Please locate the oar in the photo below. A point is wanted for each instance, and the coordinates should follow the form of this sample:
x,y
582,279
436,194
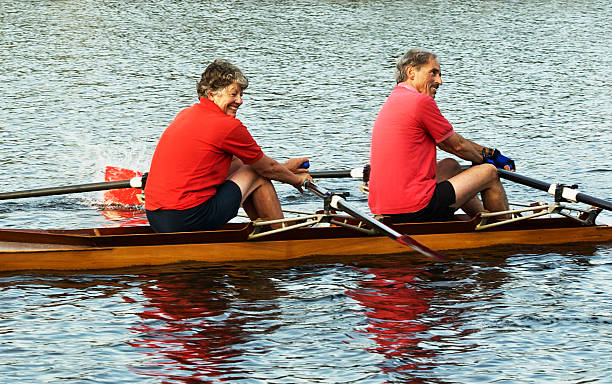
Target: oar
x,y
127,197
559,191
338,202
355,173
556,190
135,182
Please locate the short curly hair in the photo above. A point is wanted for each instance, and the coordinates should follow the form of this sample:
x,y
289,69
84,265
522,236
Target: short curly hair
x,y
218,75
412,58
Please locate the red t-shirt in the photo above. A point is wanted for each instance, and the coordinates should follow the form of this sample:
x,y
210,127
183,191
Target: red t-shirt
x,y
194,155
403,153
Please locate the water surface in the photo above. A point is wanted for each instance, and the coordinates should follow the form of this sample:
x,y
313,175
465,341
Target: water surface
x,y
86,84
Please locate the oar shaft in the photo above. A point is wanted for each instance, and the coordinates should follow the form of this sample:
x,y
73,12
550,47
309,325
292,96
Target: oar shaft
x,y
355,173
594,201
321,192
567,193
330,174
525,180
348,208
91,187
340,203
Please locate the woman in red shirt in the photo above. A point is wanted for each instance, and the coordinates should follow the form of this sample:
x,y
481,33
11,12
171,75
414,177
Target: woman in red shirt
x,y
207,164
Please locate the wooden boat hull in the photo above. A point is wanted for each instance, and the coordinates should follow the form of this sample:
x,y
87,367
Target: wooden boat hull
x,y
112,248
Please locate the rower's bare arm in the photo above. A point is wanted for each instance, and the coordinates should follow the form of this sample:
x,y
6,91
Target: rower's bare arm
x,y
462,148
477,147
271,169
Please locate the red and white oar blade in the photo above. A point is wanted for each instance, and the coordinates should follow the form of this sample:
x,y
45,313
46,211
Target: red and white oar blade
x,y
126,196
421,248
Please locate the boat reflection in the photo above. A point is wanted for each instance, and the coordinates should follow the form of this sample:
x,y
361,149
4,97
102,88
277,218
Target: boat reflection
x,y
395,303
419,316
192,326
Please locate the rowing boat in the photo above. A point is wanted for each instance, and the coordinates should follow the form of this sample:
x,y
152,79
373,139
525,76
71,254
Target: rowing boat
x,y
326,233
122,247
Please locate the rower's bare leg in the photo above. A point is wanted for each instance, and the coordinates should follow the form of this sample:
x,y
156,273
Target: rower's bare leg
x,y
249,208
259,198
480,178
236,164
263,202
247,202
448,168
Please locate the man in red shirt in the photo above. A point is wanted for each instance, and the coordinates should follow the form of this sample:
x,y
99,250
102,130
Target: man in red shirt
x,y
406,182
207,164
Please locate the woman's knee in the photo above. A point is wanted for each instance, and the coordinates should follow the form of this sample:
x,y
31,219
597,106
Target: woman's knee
x,y
246,179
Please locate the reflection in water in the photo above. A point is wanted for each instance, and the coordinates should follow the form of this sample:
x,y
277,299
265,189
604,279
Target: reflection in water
x,y
195,323
492,316
422,317
395,301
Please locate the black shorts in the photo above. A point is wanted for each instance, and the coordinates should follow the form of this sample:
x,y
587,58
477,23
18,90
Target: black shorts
x,y
438,209
208,216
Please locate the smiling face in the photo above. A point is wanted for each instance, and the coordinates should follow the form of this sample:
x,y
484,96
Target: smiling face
x,y
229,99
427,78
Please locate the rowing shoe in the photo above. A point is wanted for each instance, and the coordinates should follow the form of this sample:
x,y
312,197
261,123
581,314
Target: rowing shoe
x,y
338,202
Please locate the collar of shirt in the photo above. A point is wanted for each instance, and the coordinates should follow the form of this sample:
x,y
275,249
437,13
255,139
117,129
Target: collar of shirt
x,y
407,86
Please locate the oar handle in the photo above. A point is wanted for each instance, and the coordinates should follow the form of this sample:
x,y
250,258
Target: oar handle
x,y
321,192
354,173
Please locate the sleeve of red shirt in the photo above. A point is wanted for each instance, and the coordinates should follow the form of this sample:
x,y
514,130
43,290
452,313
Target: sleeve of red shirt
x,y
436,125
241,144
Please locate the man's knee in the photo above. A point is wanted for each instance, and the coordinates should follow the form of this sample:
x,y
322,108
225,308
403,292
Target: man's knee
x,y
447,168
490,172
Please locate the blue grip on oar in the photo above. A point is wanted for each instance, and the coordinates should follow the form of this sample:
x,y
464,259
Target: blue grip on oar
x,y
305,165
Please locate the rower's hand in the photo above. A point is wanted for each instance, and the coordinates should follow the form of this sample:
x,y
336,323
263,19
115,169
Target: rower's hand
x,y
296,165
303,177
497,159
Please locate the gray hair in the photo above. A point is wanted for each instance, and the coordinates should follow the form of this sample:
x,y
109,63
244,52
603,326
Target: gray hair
x,y
412,58
218,75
